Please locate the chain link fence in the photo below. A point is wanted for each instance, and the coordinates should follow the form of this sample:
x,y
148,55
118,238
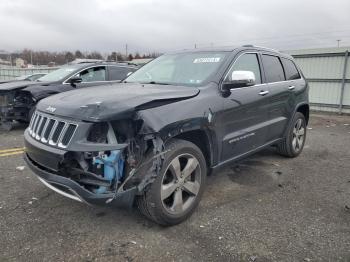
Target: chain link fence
x,y
10,73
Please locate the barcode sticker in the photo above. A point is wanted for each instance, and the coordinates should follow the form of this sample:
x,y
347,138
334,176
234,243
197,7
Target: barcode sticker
x,y
206,60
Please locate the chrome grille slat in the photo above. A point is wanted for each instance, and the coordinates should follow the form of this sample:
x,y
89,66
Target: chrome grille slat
x,y
52,130
64,129
37,131
31,123
56,135
68,135
48,131
34,123
47,120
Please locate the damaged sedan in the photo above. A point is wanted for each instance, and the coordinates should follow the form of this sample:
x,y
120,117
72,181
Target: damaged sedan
x,y
152,140
18,99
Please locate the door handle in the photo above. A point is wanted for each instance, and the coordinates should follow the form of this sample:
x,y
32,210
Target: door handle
x,y
262,93
291,88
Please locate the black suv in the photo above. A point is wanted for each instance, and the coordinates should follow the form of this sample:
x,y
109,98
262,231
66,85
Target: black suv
x,y
18,99
153,139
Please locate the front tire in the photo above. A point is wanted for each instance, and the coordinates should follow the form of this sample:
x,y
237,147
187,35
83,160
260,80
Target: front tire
x,y
177,190
293,143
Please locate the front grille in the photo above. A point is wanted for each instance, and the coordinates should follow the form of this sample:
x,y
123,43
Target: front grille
x,y
51,130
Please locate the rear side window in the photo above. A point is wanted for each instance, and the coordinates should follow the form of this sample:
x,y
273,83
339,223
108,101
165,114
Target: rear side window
x,y
290,69
119,73
247,62
273,69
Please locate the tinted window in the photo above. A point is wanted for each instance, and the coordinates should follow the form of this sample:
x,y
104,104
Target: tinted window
x,y
273,68
93,74
247,62
290,69
119,73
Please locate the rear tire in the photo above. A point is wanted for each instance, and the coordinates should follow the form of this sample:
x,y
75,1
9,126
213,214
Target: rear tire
x,y
293,143
177,190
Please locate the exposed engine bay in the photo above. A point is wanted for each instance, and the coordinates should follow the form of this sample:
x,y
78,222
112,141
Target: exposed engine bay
x,y
109,171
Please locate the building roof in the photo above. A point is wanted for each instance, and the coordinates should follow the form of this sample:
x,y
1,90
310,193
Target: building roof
x,y
312,51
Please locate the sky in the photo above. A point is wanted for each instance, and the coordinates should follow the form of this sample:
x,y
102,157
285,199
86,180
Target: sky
x,y
165,25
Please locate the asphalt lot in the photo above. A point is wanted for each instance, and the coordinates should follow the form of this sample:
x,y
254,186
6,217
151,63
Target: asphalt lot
x,y
267,208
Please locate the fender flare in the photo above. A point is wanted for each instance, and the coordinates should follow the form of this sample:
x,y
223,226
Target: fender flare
x,y
292,116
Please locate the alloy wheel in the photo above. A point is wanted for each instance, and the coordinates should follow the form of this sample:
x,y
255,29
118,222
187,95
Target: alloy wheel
x,y
181,183
298,135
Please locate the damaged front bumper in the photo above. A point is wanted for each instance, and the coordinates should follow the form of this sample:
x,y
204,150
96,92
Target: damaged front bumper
x,y
11,110
45,160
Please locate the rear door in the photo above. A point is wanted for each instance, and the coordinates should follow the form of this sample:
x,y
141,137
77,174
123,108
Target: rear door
x,y
278,112
245,111
119,73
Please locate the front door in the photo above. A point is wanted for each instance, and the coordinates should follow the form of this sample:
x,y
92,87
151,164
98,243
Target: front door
x,y
93,76
245,114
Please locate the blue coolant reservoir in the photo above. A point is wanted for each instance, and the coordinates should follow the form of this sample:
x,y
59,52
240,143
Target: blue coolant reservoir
x,y
113,168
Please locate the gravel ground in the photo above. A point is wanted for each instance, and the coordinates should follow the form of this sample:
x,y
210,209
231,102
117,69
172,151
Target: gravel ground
x,y
266,208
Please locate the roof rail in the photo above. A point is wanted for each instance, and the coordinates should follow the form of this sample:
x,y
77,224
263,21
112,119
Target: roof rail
x,y
96,61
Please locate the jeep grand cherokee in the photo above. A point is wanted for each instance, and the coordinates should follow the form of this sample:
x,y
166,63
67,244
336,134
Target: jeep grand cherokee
x,y
152,139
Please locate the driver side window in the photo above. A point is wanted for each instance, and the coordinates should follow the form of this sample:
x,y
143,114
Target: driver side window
x,y
93,74
246,62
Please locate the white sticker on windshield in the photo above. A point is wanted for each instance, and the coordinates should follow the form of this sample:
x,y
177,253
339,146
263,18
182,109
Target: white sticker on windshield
x,y
206,60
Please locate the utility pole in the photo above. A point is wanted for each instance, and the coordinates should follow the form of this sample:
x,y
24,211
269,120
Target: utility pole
x,y
338,42
31,57
195,46
126,51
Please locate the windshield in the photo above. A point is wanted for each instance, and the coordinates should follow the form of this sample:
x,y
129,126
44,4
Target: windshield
x,y
182,69
57,75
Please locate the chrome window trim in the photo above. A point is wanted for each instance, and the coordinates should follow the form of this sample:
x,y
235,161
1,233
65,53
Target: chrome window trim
x,y
262,84
280,57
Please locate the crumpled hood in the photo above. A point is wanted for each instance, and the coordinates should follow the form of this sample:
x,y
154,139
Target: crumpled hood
x,y
112,102
16,85
45,89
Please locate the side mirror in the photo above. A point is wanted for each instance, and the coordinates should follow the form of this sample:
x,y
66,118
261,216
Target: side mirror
x,y
239,79
75,80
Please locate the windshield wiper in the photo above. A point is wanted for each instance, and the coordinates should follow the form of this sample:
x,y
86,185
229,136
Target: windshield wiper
x,y
148,83
156,83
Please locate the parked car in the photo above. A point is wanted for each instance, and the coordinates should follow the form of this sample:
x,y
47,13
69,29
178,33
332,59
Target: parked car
x,y
32,77
153,139
18,99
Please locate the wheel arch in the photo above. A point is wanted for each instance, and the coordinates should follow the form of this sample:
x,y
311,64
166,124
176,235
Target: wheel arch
x,y
305,110
202,140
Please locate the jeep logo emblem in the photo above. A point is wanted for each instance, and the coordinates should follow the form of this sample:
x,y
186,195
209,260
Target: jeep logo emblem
x,y
51,109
